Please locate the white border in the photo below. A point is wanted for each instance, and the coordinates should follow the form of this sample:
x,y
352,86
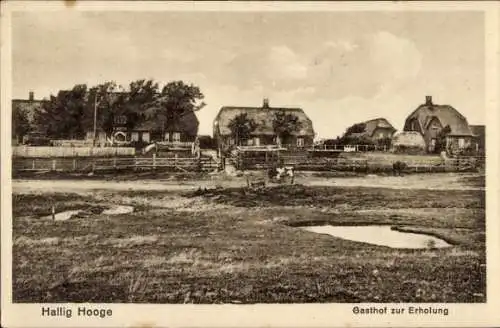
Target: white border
x,y
293,315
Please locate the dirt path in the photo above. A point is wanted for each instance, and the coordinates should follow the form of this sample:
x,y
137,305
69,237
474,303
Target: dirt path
x,y
420,181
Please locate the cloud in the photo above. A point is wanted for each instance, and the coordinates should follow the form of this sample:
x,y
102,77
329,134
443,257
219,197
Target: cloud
x,y
343,45
400,57
284,64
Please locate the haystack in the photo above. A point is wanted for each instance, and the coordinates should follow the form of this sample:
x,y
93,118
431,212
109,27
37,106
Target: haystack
x,y
408,141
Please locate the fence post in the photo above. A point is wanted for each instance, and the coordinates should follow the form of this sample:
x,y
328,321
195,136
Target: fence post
x,y
54,164
33,166
114,163
74,164
199,164
135,163
154,161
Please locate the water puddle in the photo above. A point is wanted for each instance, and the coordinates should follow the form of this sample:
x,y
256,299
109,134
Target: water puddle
x,y
63,216
120,209
380,235
66,215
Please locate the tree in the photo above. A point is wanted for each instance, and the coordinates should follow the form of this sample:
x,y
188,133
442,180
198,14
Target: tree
x,y
72,113
141,97
20,123
284,125
175,99
241,127
441,139
352,135
61,116
356,128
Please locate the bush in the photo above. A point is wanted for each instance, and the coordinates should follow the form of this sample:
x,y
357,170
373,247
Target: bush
x,y
207,142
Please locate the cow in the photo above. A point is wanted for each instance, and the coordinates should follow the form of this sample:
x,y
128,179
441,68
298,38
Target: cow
x,y
278,173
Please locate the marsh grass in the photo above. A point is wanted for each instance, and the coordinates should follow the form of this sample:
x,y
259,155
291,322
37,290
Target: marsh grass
x,y
243,253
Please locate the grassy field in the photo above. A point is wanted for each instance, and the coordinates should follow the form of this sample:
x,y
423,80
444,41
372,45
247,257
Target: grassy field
x,y
235,245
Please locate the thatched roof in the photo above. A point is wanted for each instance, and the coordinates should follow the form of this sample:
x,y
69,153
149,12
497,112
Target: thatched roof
x,y
263,117
372,125
445,114
408,139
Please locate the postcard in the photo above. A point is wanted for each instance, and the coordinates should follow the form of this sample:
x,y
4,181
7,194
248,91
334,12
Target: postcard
x,y
250,164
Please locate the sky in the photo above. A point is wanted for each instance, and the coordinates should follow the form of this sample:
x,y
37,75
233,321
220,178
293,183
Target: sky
x,y
340,67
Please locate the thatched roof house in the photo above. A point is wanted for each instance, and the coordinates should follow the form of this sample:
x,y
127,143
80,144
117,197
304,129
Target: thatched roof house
x,y
375,129
430,119
263,117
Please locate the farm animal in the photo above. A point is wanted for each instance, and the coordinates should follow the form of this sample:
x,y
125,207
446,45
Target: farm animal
x,y
398,167
277,173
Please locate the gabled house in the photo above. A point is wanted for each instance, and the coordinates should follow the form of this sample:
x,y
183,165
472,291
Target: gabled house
x,y
28,107
264,132
373,130
431,119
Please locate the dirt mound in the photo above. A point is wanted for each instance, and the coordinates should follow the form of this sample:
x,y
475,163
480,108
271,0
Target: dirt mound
x,y
249,197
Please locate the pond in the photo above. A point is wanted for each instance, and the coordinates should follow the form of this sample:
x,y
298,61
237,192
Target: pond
x,y
381,235
119,209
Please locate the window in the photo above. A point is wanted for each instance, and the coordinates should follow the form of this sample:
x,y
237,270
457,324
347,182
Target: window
x,y
167,136
231,141
145,136
381,135
176,136
256,141
134,136
250,142
120,119
461,143
300,142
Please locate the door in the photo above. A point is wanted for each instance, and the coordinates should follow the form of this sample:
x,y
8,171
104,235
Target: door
x,y
134,136
176,136
432,145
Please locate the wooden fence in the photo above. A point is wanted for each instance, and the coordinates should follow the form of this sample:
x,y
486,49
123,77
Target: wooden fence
x,y
350,148
103,164
50,152
304,163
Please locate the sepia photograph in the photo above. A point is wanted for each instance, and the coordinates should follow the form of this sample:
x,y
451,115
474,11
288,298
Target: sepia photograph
x,y
242,157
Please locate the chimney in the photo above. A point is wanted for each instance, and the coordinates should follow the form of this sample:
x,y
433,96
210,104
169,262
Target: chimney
x,y
31,96
428,100
265,103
